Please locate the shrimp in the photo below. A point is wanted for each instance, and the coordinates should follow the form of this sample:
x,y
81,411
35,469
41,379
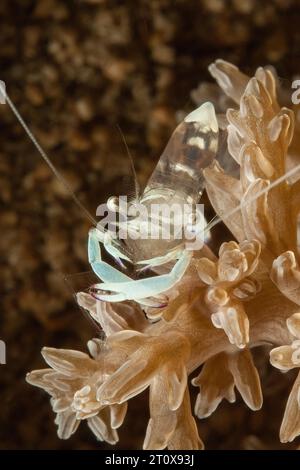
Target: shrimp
x,y
177,179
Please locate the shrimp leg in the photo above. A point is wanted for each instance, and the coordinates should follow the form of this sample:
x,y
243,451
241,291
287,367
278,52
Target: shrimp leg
x,y
142,288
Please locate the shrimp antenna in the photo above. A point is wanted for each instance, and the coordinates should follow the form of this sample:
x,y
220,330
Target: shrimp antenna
x,y
47,159
136,184
216,220
66,278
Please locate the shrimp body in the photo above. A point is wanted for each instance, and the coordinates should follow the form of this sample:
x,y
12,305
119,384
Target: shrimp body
x,y
176,182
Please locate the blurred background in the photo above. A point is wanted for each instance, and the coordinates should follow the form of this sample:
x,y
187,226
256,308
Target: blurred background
x,y
78,71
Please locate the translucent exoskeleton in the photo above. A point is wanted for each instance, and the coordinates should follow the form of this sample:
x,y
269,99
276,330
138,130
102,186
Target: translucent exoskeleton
x,y
177,181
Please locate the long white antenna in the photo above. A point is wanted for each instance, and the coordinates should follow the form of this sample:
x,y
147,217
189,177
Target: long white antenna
x,y
281,179
47,159
136,184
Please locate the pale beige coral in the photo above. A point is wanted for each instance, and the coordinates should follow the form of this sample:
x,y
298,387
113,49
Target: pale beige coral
x,y
285,358
72,383
259,134
286,275
220,375
230,286
220,309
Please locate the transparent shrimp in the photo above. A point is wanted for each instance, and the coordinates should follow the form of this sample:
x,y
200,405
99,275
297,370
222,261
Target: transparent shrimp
x,y
176,178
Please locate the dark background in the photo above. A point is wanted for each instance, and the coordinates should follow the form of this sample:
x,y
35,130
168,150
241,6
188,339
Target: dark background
x,y
76,70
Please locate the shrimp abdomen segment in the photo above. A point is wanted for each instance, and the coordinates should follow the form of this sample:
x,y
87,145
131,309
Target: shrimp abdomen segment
x,y
191,148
